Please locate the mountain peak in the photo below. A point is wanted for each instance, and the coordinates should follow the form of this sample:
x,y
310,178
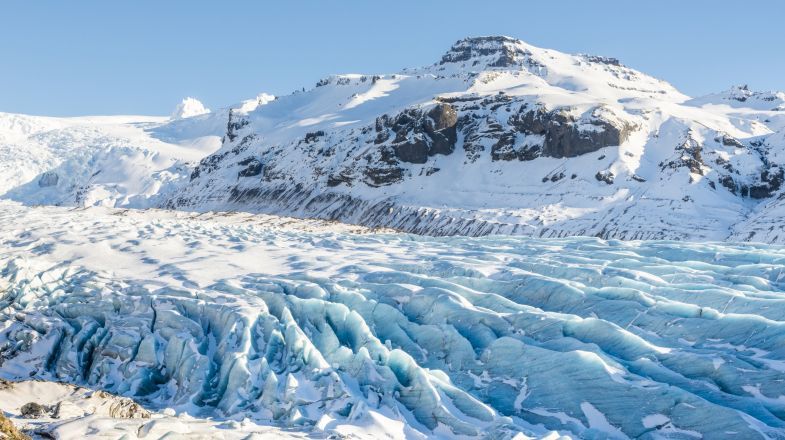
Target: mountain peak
x,y
494,51
742,96
252,104
189,107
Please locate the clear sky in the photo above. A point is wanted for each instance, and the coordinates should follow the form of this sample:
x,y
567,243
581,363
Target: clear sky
x,y
142,57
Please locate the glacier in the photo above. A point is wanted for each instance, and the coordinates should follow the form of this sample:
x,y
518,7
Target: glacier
x,y
319,326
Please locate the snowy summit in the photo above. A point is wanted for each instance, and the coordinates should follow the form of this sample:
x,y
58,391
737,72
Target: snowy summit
x,y
188,108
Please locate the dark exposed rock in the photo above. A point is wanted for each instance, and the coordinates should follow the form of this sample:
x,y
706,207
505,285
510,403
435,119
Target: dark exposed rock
x,y
32,410
443,116
729,183
563,135
313,136
472,138
420,135
602,60
465,50
771,181
564,138
690,156
501,51
504,148
244,195
208,164
605,176
381,176
125,408
335,180
443,132
385,170
233,125
459,99
729,141
412,151
252,167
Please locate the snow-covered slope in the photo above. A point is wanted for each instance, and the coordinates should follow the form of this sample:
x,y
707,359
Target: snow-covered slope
x,y
502,137
111,160
742,97
329,330
497,137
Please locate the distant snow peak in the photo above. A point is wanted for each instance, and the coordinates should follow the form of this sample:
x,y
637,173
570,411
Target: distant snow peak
x,y
740,92
743,93
250,105
742,96
188,108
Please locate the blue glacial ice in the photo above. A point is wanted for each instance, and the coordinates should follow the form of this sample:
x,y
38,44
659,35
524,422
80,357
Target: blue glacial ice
x,y
454,337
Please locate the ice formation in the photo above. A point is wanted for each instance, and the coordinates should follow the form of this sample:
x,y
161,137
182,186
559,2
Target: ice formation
x,y
318,327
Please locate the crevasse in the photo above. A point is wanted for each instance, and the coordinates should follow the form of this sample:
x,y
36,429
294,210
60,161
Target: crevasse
x,y
464,336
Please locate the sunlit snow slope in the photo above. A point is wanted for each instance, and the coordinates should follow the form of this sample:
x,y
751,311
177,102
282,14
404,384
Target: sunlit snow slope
x,y
496,137
106,160
328,328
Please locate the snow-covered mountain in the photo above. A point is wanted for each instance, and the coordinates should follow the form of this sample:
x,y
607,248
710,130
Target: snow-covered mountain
x,y
188,108
497,137
502,137
246,325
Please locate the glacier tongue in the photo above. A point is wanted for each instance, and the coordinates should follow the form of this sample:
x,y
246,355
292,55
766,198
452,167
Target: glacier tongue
x,y
318,326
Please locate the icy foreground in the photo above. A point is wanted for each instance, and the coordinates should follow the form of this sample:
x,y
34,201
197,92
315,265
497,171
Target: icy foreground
x,y
328,329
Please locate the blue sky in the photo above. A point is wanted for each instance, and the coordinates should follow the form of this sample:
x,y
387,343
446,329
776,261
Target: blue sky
x,y
142,57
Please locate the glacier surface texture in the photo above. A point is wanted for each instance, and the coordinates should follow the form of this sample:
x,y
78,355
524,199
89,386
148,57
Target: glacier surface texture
x,y
315,325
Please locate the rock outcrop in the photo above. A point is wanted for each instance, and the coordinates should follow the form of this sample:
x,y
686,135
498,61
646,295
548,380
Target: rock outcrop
x,y
8,431
561,133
